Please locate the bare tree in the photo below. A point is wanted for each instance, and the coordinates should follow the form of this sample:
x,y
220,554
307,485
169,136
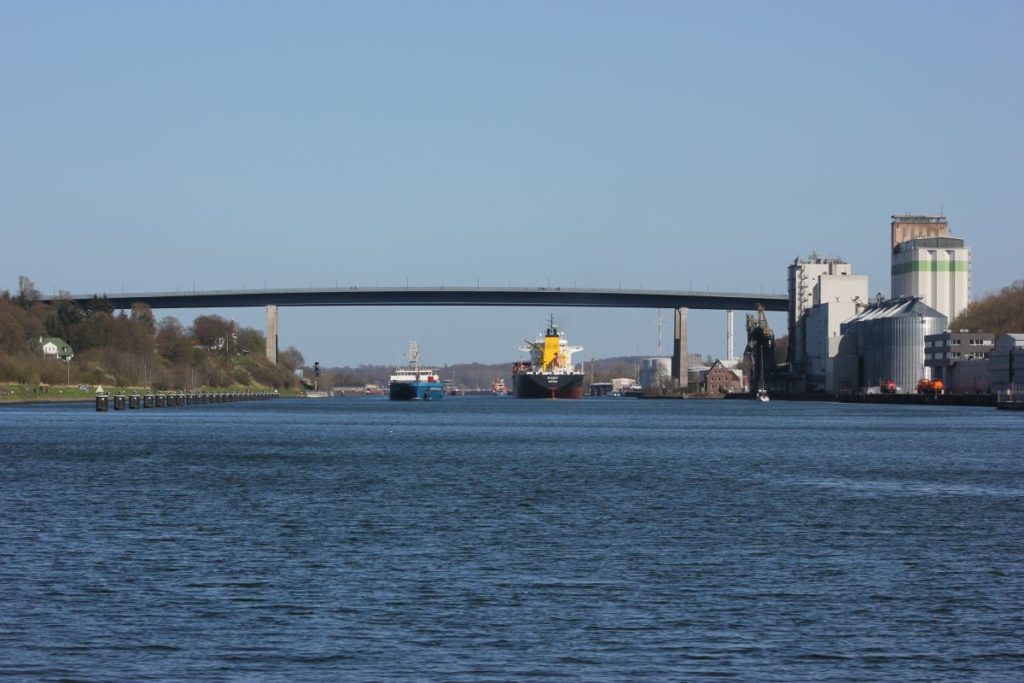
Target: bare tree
x,y
172,340
211,331
142,313
28,295
291,358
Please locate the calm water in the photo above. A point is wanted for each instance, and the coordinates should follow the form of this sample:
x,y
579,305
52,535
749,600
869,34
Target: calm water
x,y
492,539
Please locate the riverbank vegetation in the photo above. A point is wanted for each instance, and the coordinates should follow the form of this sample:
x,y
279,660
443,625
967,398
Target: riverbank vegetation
x,y
130,348
997,313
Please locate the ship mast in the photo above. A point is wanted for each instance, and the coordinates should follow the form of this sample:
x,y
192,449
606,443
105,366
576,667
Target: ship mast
x,y
414,355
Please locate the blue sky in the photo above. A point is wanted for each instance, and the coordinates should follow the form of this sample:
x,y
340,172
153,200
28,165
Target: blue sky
x,y
666,145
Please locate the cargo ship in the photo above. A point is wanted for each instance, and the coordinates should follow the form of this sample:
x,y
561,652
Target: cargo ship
x,y
413,383
549,373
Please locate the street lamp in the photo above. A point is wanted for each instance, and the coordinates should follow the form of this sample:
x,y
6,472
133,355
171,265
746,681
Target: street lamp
x,y
67,361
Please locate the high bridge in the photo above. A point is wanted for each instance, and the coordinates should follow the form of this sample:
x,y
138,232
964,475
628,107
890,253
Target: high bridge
x,y
680,301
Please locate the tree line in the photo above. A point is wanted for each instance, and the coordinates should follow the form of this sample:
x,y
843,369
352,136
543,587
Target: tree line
x,y
997,313
131,348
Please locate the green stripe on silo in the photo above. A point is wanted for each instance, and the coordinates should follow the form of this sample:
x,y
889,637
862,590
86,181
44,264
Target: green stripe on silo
x,y
930,266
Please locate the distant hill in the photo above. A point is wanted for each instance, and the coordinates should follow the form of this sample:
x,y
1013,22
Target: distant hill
x,y
996,313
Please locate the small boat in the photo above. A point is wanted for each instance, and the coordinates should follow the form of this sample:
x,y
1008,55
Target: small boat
x,y
635,391
762,395
413,383
1010,401
498,387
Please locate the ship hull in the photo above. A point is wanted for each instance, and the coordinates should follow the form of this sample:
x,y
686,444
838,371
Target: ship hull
x,y
545,385
416,391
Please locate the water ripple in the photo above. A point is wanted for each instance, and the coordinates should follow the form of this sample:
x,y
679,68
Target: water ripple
x,y
493,540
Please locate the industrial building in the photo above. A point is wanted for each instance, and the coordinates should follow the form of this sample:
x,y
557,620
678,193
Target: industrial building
x,y
822,294
656,373
841,341
929,263
720,379
803,277
622,384
959,360
886,342
1006,364
906,227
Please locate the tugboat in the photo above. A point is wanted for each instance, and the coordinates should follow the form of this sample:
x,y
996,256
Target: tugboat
x,y
413,383
549,373
452,389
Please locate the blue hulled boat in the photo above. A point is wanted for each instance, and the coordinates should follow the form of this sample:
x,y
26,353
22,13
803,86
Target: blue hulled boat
x,y
413,383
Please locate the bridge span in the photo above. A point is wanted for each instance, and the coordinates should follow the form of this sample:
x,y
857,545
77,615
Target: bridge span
x,y
680,301
443,296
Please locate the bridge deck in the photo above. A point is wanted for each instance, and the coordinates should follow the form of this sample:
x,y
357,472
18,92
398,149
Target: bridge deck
x,y
446,296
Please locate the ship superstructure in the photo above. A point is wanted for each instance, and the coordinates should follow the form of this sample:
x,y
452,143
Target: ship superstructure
x,y
413,383
550,372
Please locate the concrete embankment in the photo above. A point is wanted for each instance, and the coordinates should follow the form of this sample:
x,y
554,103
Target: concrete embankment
x,y
26,397
976,400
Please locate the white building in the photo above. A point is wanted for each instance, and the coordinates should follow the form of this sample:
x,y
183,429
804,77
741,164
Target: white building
x,y
803,277
656,372
55,347
823,294
621,384
936,269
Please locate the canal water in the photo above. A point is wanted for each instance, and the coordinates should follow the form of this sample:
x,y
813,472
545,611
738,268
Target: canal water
x,y
500,540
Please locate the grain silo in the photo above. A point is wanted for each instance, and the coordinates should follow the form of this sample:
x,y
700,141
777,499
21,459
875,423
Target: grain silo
x,y
656,373
890,341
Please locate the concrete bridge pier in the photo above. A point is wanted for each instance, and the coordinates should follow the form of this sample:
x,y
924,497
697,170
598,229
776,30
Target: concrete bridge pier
x,y
729,353
272,333
680,351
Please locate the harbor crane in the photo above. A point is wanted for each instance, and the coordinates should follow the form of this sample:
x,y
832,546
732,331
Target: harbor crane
x,y
760,350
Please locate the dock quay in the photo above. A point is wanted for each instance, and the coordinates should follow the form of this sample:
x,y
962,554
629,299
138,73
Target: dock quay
x,y
1010,402
980,400
106,402
976,400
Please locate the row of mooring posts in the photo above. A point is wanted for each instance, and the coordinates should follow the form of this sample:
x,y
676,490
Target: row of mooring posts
x,y
136,401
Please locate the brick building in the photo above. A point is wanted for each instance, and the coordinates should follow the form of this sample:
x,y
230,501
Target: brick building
x,y
720,379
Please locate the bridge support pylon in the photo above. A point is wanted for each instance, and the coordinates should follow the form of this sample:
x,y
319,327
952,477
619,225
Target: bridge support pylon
x,y
272,333
680,351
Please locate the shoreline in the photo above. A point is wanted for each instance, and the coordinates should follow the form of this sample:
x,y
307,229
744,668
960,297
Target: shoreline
x,y
43,401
